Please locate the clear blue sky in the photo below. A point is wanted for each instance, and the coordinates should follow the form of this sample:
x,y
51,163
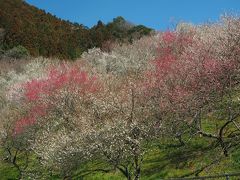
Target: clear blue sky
x,y
157,14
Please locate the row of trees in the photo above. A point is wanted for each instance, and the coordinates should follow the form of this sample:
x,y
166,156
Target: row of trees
x,y
113,106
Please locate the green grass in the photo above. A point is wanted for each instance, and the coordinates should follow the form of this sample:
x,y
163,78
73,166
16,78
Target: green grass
x,y
159,162
163,161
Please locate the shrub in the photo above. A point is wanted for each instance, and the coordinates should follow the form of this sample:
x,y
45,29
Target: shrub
x,y
18,52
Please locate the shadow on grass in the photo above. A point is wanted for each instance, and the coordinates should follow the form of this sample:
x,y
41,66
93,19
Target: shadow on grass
x,y
171,161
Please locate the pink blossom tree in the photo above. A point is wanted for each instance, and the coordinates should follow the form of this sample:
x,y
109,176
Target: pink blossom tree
x,y
188,80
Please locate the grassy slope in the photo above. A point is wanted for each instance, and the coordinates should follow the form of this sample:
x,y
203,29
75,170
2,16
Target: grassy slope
x,y
160,162
165,160
168,160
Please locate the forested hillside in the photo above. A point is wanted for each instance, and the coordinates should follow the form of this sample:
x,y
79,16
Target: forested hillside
x,y
43,34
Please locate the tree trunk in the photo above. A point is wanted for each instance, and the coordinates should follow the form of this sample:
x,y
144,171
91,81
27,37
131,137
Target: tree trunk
x,y
137,173
126,172
67,177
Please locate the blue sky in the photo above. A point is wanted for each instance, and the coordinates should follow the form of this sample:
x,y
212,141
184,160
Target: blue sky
x,y
157,14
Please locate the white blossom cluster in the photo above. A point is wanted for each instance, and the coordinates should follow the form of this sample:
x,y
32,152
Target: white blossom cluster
x,y
123,58
11,83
